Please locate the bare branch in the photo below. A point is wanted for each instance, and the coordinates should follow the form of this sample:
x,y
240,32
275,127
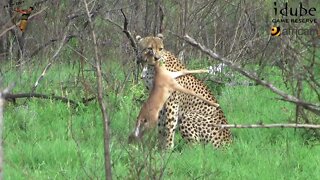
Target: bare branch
x,y
161,14
114,23
105,119
131,39
47,66
127,33
286,97
311,126
51,60
51,41
12,97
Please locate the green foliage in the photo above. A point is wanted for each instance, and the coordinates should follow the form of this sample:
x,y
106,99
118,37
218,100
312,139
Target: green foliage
x,y
46,139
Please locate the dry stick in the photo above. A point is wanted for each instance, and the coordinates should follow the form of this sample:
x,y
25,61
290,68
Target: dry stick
x,y
129,36
132,43
13,26
131,39
10,97
50,63
286,97
311,126
100,99
161,14
36,95
87,61
2,99
51,41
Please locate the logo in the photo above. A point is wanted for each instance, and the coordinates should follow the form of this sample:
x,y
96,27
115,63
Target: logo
x,y
275,31
290,14
302,17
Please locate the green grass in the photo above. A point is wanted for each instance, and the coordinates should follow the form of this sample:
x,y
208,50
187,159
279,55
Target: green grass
x,y
46,139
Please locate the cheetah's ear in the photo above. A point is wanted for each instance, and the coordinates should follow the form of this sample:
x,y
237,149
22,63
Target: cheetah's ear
x,y
138,38
160,36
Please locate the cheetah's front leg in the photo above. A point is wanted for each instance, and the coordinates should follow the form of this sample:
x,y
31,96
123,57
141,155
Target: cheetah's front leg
x,y
171,119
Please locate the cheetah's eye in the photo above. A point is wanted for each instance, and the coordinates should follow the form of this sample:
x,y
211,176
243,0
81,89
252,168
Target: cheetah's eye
x,y
160,49
150,48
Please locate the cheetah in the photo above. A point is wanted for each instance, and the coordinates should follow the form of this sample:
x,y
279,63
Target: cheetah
x,y
195,118
164,84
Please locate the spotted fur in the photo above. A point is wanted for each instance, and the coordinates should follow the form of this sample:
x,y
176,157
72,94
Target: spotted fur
x,y
195,118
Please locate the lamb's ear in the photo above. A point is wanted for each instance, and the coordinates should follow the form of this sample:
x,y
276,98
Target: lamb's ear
x,y
160,36
138,38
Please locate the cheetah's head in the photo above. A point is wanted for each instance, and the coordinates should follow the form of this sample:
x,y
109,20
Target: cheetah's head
x,y
151,48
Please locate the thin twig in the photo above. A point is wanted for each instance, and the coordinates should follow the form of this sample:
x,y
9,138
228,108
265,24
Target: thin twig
x,y
51,61
51,41
104,75
161,14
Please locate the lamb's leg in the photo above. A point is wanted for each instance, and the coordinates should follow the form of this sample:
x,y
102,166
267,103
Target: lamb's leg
x,y
185,72
180,88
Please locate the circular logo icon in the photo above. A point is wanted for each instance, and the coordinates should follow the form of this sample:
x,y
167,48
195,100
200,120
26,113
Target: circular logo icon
x,y
275,31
